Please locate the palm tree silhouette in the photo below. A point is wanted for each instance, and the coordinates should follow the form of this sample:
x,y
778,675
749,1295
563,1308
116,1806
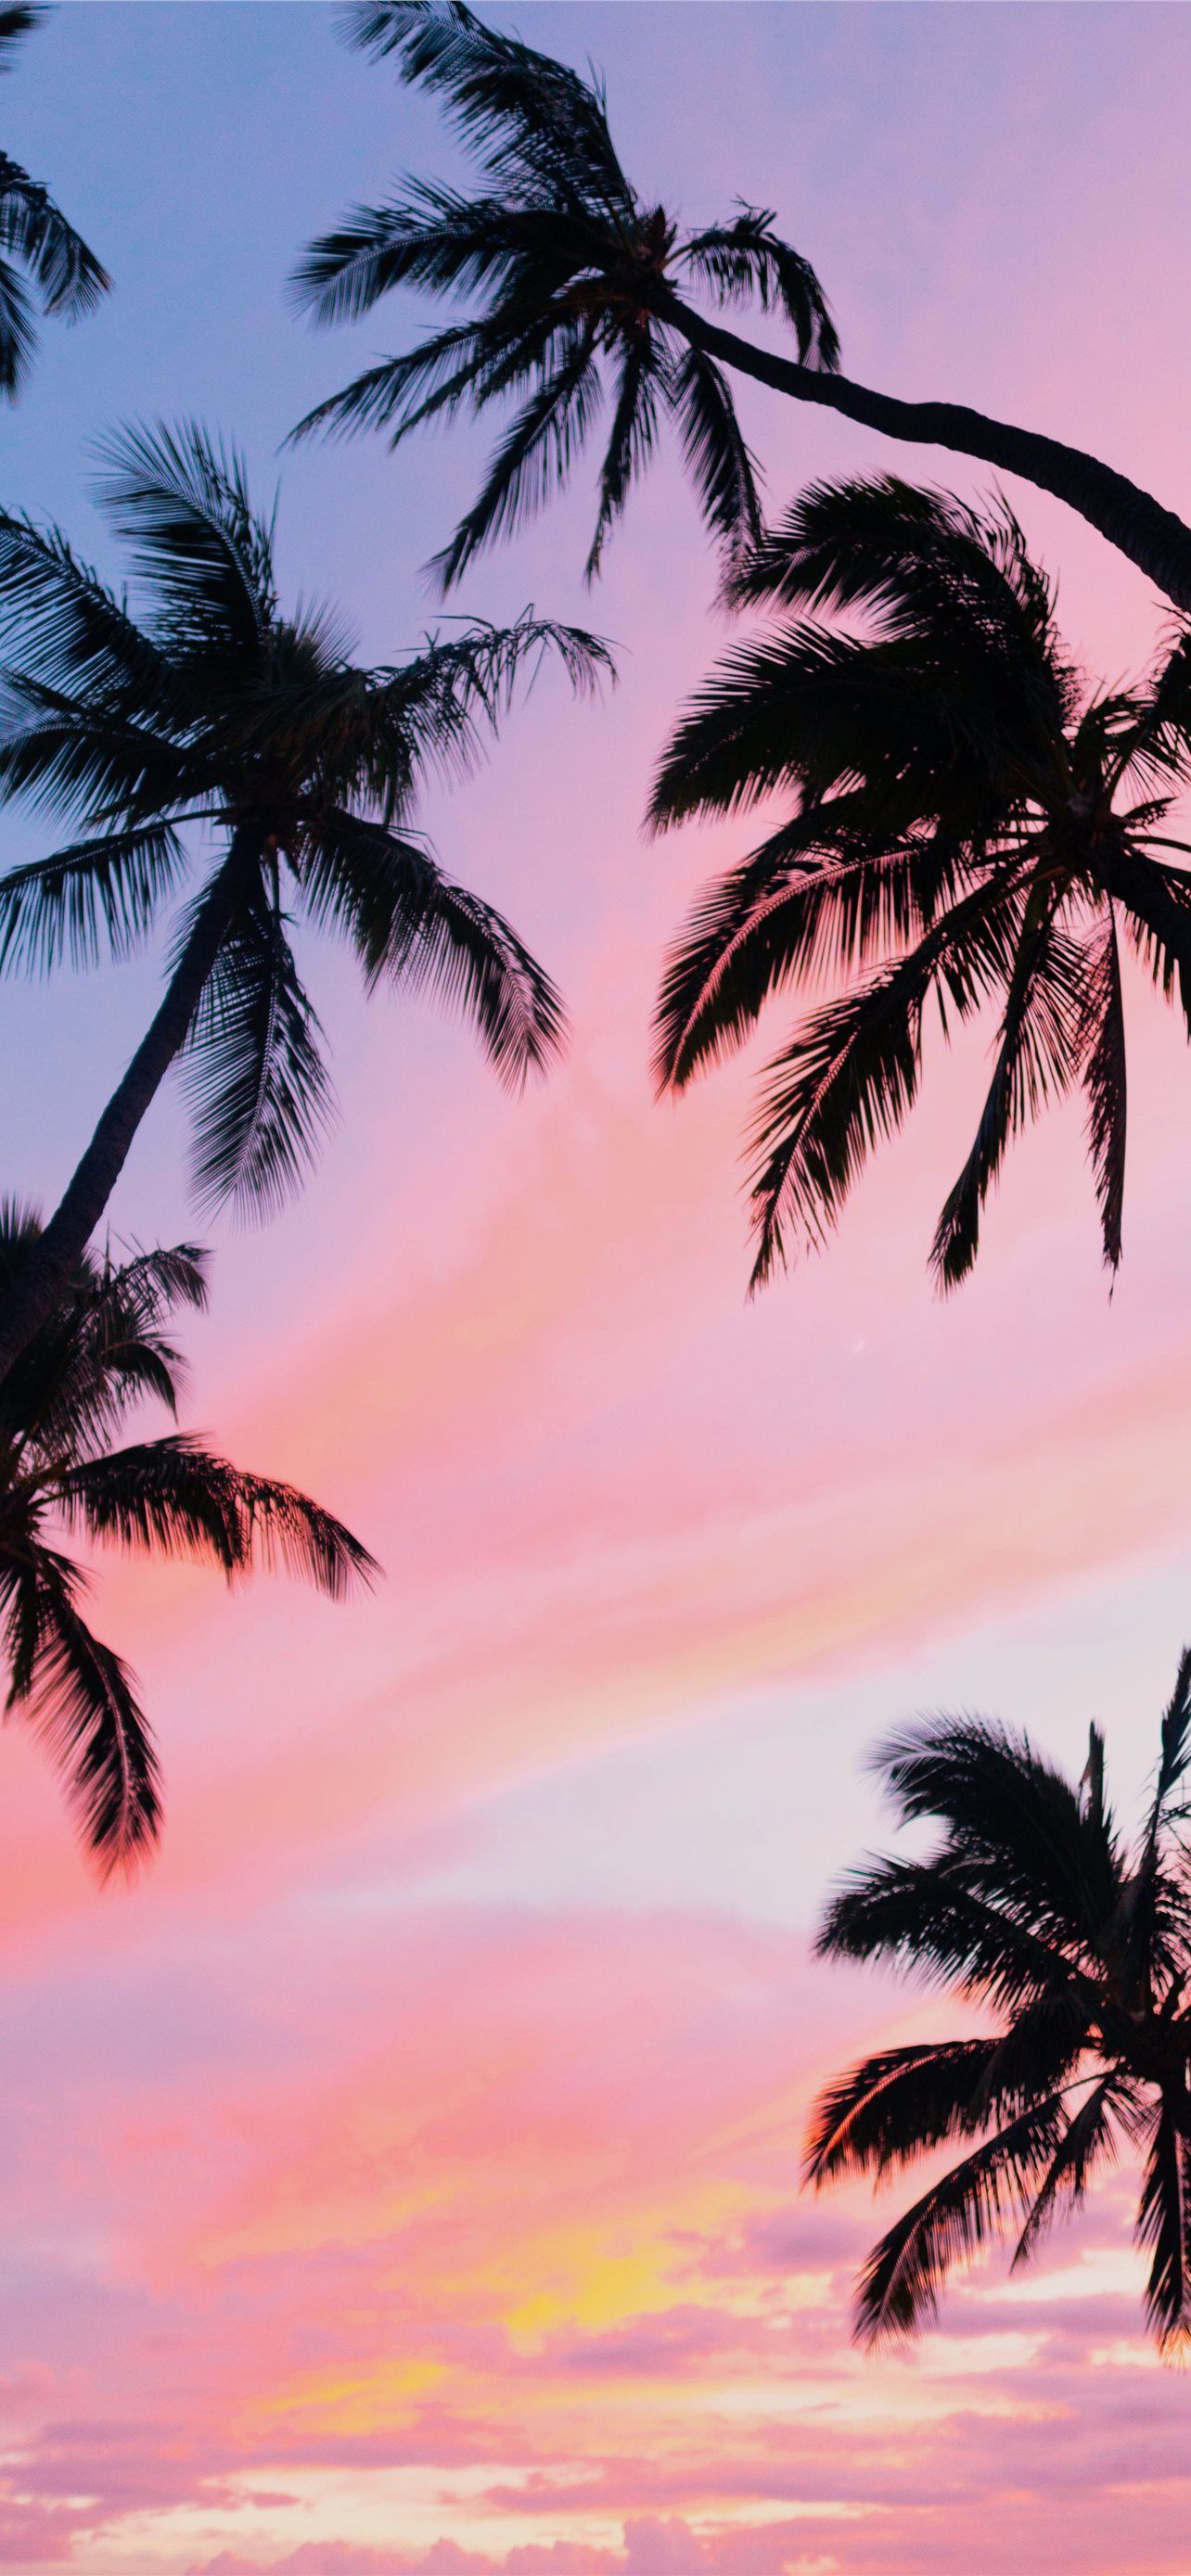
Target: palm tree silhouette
x,y
102,1351
1078,1948
576,280
214,709
66,276
972,822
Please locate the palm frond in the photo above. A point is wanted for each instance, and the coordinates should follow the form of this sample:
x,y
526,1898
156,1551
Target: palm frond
x,y
103,1349
413,928
531,118
851,1073
905,555
644,374
427,236
523,337
74,633
746,262
896,2105
1105,1081
162,1497
1019,1825
953,2221
18,331
282,1528
820,897
81,1698
1174,1758
1040,1047
1087,2138
427,714
532,459
151,1284
67,276
172,1497
253,1071
804,707
70,278
397,393
74,756
721,467
939,1920
102,892
180,500
1164,2223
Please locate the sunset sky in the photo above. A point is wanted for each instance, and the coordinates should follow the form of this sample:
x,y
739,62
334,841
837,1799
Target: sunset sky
x,y
404,2174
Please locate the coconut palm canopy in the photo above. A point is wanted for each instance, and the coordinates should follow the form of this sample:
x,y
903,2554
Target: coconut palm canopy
x,y
579,285
106,1349
1076,1944
210,719
568,263
36,238
974,826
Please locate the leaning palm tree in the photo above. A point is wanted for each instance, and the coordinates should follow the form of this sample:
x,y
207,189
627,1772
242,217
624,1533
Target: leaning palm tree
x,y
106,1348
65,276
214,712
580,290
1076,1948
972,825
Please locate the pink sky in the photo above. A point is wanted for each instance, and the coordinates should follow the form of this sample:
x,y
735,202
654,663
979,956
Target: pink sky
x,y
403,2176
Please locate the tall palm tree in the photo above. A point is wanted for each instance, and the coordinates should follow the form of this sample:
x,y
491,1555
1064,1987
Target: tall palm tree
x,y
580,286
1076,1947
972,822
103,1350
66,277
215,710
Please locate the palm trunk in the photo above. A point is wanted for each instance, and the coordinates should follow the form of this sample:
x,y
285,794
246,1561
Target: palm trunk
x,y
60,1248
1157,541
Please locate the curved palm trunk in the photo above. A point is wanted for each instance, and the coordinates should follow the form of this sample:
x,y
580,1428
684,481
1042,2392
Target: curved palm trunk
x,y
1156,540
64,1240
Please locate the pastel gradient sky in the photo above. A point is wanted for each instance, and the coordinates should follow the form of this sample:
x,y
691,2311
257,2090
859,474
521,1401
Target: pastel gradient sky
x,y
404,2174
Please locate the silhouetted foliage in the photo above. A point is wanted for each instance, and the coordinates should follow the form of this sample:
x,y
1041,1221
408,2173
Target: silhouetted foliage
x,y
567,261
972,825
213,709
105,1349
570,281
60,273
1077,1947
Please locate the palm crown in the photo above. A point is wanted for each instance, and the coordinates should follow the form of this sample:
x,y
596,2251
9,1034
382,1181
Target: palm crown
x,y
66,276
576,278
573,277
104,1350
1078,1948
972,823
215,710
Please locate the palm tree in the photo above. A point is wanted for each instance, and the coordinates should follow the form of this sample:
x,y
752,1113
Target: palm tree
x,y
103,1350
971,822
1078,1950
66,276
216,710
580,287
